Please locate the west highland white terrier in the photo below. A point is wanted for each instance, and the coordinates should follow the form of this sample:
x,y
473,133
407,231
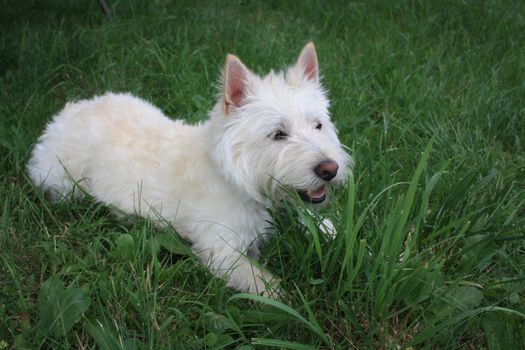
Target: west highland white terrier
x,y
266,137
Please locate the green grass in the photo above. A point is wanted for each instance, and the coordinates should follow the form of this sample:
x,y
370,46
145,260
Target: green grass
x,y
430,97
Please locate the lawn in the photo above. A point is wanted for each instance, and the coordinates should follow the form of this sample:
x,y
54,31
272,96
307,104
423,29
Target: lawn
x,y
430,251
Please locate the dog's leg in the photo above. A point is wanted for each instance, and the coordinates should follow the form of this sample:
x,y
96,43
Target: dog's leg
x,y
240,272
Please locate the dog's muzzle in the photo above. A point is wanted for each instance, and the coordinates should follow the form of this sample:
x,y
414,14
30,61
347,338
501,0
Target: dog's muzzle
x,y
327,169
315,197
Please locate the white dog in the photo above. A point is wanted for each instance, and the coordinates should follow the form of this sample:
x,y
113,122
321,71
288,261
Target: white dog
x,y
213,181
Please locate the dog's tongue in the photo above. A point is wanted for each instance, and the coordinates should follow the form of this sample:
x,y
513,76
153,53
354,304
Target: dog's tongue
x,y
319,193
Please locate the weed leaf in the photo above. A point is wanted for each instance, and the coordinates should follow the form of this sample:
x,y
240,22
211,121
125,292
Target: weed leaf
x,y
173,243
126,246
60,308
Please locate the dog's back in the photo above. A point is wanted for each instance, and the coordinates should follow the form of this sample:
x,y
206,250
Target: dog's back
x,y
104,145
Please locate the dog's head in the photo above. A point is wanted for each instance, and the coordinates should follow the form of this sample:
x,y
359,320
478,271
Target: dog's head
x,y
273,134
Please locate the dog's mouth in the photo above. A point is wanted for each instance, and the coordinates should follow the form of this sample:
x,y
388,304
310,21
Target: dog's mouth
x,y
315,196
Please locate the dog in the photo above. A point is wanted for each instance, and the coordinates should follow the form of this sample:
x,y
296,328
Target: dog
x,y
267,139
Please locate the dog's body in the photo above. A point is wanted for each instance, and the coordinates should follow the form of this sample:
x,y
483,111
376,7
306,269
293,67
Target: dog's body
x,y
213,181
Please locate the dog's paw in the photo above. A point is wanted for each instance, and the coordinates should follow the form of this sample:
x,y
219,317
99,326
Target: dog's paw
x,y
325,226
328,228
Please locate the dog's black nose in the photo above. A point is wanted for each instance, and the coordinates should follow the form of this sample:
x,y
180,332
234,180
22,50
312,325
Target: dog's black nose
x,y
327,169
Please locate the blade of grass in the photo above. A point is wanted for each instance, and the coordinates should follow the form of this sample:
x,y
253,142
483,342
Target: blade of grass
x,y
285,308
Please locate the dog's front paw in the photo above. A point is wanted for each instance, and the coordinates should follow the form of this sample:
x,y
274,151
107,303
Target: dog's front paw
x,y
327,227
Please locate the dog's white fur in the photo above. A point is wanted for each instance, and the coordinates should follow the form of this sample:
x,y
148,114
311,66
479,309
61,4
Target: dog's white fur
x,y
213,181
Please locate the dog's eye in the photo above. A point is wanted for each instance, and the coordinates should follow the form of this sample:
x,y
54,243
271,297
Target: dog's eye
x,y
280,135
319,126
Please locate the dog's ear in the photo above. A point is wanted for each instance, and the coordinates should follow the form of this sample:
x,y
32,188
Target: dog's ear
x,y
235,83
307,63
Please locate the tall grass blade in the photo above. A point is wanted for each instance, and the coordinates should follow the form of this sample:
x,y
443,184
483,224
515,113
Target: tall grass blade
x,y
285,308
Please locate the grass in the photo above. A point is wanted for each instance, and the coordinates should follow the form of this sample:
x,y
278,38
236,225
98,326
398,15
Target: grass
x,y
430,97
